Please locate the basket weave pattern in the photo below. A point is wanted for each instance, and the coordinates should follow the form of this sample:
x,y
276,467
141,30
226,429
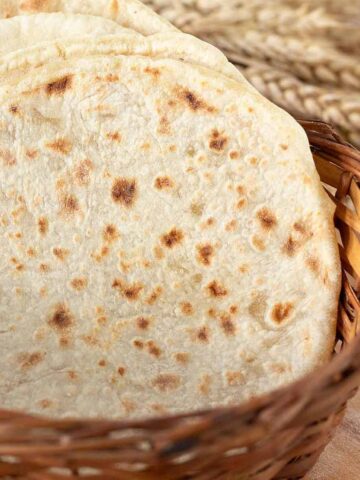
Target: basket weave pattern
x,y
278,436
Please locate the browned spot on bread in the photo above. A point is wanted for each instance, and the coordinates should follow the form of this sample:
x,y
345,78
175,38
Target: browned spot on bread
x,y
210,222
145,146
61,253
218,141
279,367
154,72
253,161
153,349
158,252
258,306
43,292
64,342
31,153
163,183
202,334
20,267
235,378
121,371
258,243
301,228
82,172
102,363
124,191
60,145
138,344
14,109
172,148
72,375
290,246
284,146
29,360
18,235
182,357
90,340
216,290
241,190
59,86
164,127
233,309
114,136
227,325
296,240
234,155
69,204
114,7
187,308
44,267
166,382
142,323
104,252
61,319
158,408
193,101
111,77
313,264
60,184
7,157
266,218
205,253
241,203
31,252
172,238
79,283
110,233
129,405
204,385
102,321
197,209
45,403
129,291
231,226
281,312
154,295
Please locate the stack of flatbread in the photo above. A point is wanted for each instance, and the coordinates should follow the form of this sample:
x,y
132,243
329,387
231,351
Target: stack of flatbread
x,y
166,244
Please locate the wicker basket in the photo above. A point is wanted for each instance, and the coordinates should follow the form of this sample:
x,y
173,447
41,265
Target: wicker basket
x,y
278,436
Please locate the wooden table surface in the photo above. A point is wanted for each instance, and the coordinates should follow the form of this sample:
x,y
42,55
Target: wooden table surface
x,y
341,459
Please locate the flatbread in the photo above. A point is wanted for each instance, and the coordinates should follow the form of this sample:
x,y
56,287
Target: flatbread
x,y
166,242
26,31
128,13
177,46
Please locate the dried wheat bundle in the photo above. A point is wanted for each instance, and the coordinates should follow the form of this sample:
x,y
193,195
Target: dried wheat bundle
x,y
317,63
196,16
339,107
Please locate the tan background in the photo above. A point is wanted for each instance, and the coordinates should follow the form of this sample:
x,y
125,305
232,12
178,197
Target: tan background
x,y
341,459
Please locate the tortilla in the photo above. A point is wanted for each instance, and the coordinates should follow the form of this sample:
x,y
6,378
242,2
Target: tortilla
x,y
128,13
167,245
24,31
177,46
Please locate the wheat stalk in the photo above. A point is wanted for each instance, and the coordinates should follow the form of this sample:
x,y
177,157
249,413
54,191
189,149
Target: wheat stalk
x,y
315,63
199,16
339,107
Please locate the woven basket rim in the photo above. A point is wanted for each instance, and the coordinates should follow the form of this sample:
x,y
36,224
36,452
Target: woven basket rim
x,y
323,138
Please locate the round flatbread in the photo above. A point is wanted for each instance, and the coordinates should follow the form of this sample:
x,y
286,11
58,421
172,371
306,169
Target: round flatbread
x,y
166,242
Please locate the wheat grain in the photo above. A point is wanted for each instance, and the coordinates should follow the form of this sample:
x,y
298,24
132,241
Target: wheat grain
x,y
339,107
315,63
